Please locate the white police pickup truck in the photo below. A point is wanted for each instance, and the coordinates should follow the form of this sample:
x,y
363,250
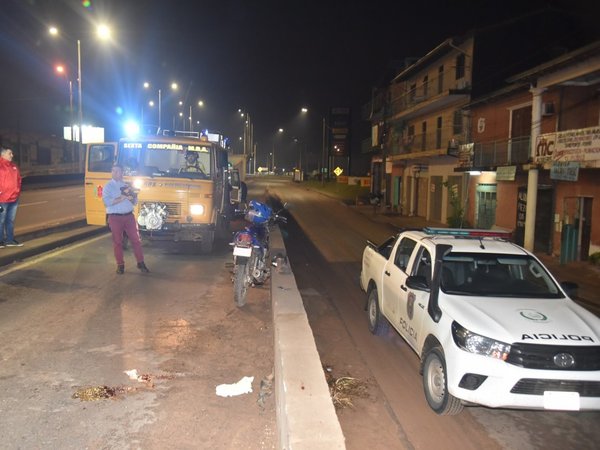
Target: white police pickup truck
x,y
488,321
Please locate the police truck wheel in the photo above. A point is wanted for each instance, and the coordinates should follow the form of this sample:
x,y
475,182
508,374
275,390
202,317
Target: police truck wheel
x,y
435,385
378,325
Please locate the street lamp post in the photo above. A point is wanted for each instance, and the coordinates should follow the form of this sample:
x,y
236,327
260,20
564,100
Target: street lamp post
x,y
103,33
174,87
80,90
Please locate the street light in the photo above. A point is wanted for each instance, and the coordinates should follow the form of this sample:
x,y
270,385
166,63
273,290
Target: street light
x,y
174,87
279,131
326,127
60,69
104,33
200,105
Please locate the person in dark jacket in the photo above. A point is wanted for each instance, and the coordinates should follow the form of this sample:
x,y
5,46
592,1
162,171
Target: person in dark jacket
x,y
10,189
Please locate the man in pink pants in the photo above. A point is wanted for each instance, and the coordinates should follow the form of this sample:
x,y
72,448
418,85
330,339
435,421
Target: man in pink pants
x,y
119,200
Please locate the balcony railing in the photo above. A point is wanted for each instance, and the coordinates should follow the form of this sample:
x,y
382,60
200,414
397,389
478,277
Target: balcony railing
x,y
435,140
427,90
501,153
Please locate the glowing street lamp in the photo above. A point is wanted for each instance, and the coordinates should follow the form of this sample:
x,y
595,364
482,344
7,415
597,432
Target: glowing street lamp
x,y
60,69
174,87
104,33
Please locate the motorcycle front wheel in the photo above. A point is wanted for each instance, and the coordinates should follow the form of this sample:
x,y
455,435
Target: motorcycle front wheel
x,y
241,280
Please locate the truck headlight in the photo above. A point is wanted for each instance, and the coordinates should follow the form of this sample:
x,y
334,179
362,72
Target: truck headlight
x,y
196,210
480,345
138,183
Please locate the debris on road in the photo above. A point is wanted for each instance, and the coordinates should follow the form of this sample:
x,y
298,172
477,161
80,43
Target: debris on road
x,y
344,389
244,386
265,391
94,393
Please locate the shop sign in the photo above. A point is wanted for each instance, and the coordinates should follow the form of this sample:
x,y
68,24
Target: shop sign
x,y
506,173
564,171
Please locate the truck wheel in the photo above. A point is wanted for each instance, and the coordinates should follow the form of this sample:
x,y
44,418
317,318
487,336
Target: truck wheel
x,y
435,385
378,325
240,283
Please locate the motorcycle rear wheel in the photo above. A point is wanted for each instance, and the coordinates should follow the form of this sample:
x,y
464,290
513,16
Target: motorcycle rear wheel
x,y
240,283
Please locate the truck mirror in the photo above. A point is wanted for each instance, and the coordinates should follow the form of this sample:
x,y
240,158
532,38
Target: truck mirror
x,y
417,282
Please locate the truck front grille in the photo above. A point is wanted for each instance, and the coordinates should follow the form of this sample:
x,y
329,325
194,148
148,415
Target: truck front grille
x,y
544,357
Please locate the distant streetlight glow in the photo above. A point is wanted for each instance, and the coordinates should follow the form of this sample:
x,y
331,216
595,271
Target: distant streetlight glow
x,y
147,86
304,110
60,69
103,33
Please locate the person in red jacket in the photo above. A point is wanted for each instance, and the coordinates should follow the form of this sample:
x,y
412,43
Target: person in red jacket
x,y
10,189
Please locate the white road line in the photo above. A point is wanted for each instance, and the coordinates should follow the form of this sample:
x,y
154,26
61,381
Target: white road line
x,y
47,255
32,204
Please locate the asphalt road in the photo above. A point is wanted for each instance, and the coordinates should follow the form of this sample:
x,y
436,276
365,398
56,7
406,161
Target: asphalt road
x,y
325,245
66,323
70,328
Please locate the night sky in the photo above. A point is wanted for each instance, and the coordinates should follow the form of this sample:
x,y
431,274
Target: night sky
x,y
269,58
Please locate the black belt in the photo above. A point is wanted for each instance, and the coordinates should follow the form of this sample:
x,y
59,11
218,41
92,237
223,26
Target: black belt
x,y
119,214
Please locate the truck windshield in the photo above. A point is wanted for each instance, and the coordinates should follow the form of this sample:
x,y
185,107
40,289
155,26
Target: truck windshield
x,y
165,160
496,275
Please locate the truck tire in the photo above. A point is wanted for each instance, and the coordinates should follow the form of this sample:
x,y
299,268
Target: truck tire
x,y
378,325
435,385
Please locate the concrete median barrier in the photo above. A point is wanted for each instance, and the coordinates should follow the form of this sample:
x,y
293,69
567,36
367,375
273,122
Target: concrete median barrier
x,y
306,417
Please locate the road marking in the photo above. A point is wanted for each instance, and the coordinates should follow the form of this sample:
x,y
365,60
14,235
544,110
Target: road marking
x,y
47,255
32,204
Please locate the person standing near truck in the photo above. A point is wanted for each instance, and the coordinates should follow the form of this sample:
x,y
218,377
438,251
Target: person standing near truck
x,y
10,189
119,199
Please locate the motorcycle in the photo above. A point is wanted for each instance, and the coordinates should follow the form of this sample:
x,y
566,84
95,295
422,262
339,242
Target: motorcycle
x,y
251,266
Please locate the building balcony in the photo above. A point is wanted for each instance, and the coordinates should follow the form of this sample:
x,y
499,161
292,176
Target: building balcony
x,y
493,154
432,96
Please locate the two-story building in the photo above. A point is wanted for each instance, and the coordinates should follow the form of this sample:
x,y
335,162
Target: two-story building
x,y
538,141
448,121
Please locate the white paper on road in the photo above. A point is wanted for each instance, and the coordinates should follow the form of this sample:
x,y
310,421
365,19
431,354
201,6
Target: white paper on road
x,y
244,386
133,374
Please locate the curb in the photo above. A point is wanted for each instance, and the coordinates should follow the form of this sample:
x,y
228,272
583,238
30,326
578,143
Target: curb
x,y
306,417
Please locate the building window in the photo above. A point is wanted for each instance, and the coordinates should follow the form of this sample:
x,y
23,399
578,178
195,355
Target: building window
x,y
425,85
440,79
460,66
412,93
438,133
423,135
457,122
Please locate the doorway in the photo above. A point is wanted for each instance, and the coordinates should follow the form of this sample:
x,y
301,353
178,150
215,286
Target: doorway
x,y
576,229
485,206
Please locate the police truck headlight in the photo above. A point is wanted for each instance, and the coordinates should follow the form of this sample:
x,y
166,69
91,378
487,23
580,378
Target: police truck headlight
x,y
480,345
196,210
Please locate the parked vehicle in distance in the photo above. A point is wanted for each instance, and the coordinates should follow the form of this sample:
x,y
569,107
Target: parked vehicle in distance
x,y
490,324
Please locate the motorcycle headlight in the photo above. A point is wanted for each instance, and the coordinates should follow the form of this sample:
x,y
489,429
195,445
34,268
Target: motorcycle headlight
x,y
480,345
196,210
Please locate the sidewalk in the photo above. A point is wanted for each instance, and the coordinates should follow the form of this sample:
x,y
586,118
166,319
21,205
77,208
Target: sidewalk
x,y
586,275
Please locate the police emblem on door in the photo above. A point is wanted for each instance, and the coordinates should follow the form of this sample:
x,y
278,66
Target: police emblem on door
x,y
410,305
